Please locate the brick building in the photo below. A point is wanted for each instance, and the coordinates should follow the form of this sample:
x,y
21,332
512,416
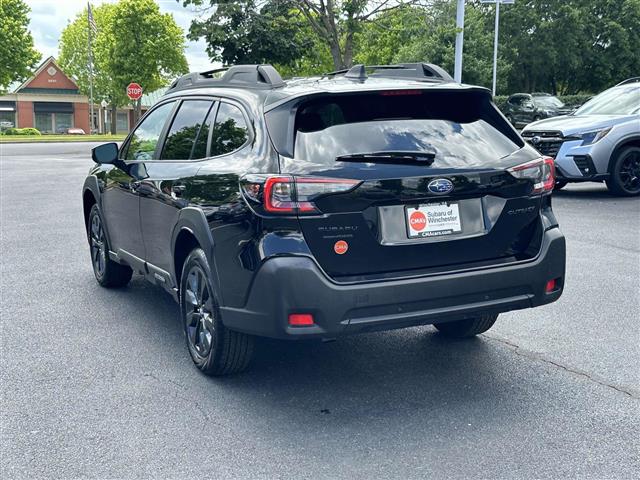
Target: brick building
x,y
51,102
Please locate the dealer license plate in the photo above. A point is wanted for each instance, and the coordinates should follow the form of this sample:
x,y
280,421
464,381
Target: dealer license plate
x,y
433,220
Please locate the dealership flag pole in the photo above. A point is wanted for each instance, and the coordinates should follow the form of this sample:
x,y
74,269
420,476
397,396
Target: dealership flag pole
x,y
495,38
457,70
495,47
92,28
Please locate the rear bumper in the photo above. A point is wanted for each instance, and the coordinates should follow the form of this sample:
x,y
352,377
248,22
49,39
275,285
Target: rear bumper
x,y
285,285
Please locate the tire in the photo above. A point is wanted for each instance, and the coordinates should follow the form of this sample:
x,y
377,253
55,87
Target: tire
x,y
214,349
466,328
108,273
624,176
560,184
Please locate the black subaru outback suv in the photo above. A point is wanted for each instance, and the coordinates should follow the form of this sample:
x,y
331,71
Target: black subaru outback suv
x,y
368,199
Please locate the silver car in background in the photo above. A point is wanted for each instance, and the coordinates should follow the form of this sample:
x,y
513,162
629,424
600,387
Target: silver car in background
x,y
598,142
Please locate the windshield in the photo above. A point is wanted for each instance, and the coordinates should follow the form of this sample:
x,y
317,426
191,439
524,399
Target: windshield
x,y
549,102
623,100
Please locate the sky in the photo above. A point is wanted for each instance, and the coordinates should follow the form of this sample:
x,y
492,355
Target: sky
x,y
49,17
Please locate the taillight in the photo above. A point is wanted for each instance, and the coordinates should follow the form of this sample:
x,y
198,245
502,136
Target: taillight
x,y
278,195
541,172
290,195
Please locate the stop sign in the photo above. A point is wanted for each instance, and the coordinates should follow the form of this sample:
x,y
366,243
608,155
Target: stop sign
x,y
134,91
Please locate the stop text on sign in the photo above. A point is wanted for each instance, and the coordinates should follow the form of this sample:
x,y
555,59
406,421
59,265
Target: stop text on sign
x,y
134,91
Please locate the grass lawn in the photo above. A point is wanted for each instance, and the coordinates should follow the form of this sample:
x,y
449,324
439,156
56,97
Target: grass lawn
x,y
61,138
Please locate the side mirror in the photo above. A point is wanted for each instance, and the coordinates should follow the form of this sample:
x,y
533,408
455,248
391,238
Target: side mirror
x,y
107,153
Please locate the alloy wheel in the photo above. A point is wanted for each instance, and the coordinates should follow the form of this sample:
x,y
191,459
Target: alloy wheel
x,y
98,250
199,312
630,172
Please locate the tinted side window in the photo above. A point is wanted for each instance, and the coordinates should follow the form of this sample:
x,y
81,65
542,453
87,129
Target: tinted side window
x,y
144,140
230,131
184,129
200,147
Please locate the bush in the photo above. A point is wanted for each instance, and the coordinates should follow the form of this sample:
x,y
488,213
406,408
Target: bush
x,y
573,100
22,131
500,101
568,100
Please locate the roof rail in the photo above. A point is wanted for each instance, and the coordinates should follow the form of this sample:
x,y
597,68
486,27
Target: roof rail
x,y
414,71
247,76
629,80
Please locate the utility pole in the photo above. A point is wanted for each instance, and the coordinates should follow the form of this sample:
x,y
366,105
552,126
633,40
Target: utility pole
x,y
457,70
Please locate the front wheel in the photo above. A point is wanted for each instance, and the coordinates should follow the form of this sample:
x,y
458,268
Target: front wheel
x,y
107,272
468,327
214,349
624,177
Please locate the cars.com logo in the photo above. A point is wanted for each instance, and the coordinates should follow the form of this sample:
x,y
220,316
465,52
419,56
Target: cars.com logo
x,y
440,185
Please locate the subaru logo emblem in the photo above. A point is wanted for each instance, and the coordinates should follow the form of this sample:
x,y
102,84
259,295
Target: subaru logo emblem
x,y
440,186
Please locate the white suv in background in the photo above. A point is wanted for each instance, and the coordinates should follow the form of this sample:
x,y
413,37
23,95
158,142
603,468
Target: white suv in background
x,y
598,142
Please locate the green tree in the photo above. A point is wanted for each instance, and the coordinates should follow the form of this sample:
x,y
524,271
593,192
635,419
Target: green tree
x,y
18,55
427,34
134,43
145,46
74,54
333,24
247,31
571,46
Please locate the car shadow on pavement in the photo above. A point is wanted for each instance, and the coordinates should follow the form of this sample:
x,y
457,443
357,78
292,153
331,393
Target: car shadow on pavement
x,y
410,367
376,375
589,191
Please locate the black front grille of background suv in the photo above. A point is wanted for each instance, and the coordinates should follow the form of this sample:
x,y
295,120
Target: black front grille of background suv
x,y
585,165
547,143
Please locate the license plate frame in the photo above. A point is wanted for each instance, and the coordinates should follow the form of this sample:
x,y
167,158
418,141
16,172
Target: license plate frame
x,y
444,220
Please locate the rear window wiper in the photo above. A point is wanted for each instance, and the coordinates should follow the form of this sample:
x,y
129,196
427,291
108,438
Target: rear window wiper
x,y
395,157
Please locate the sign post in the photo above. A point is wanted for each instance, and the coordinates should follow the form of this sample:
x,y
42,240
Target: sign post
x,y
495,37
134,92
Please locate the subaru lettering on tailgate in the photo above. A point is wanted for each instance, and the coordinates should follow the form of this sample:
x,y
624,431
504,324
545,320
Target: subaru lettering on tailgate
x,y
440,186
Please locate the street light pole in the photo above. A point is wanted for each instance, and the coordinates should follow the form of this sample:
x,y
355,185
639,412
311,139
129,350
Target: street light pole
x,y
457,70
104,106
495,46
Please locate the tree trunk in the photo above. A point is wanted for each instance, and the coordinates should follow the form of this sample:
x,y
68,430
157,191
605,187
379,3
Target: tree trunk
x,y
336,54
348,51
114,118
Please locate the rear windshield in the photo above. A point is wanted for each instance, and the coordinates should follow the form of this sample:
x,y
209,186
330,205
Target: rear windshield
x,y
452,126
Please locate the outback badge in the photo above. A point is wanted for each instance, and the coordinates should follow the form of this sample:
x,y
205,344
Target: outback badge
x,y
440,186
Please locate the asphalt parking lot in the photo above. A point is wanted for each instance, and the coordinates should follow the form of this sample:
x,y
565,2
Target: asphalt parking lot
x,y
98,383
